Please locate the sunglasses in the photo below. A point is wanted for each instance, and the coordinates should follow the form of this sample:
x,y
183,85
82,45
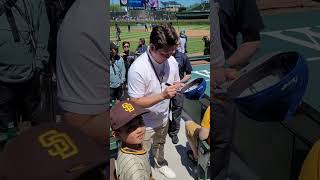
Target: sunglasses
x,y
126,46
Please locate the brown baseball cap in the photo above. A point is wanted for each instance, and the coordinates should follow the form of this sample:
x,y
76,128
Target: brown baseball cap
x,y
51,151
123,112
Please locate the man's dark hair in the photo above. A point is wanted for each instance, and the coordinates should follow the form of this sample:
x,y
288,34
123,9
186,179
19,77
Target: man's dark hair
x,y
143,41
205,38
125,42
164,36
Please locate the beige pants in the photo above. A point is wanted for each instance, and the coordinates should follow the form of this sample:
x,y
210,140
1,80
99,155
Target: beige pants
x,y
155,139
96,126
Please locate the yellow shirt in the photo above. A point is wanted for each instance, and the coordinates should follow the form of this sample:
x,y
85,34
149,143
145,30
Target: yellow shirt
x,y
205,123
311,165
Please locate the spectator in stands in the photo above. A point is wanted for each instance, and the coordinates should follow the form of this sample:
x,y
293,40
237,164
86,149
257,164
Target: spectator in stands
x,y
142,47
183,42
185,69
128,56
118,32
206,41
117,74
196,132
116,26
249,24
146,27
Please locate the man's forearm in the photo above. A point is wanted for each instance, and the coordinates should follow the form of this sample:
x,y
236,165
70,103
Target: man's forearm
x,y
149,101
243,54
185,78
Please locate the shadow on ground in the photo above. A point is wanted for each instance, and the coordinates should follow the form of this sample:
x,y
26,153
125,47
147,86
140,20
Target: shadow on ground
x,y
182,151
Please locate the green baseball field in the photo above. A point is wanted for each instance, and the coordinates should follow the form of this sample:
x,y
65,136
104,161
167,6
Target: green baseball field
x,y
195,33
195,45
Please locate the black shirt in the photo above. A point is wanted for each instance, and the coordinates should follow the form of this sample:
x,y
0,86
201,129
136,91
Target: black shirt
x,y
238,16
184,64
128,61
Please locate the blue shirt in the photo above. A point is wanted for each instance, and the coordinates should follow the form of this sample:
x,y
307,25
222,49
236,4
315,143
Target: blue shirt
x,y
238,16
184,64
142,49
117,73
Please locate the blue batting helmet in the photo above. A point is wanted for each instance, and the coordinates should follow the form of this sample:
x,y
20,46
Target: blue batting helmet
x,y
195,89
273,88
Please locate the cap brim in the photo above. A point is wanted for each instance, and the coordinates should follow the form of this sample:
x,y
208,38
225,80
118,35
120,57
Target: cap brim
x,y
140,112
136,114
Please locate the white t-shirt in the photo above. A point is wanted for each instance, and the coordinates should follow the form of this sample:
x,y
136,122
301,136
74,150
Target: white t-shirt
x,y
182,45
143,82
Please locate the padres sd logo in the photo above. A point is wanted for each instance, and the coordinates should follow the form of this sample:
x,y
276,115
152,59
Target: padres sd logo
x,y
58,144
128,107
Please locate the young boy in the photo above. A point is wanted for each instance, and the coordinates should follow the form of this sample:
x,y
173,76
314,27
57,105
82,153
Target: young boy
x,y
127,125
195,132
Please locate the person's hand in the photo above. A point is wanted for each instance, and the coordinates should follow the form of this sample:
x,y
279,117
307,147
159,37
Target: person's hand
x,y
170,91
179,85
231,74
219,76
222,75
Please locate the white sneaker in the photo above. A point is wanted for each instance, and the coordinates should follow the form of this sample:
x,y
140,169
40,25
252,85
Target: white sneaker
x,y
166,171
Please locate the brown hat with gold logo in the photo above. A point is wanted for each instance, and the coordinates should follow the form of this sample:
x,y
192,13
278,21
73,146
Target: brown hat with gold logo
x,y
123,112
51,151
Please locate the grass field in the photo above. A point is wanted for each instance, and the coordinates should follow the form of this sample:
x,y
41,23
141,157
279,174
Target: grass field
x,y
195,33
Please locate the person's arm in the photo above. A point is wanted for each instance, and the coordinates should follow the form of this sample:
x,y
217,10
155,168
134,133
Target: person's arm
x,y
185,78
243,54
188,70
123,71
205,125
149,101
251,24
204,133
137,86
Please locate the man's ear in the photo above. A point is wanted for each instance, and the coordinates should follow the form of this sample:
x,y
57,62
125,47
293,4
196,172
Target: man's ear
x,y
152,47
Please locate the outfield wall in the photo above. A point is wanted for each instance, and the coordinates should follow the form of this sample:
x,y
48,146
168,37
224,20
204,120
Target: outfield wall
x,y
174,22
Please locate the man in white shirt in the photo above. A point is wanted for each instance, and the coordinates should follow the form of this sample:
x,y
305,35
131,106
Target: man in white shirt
x,y
153,79
183,42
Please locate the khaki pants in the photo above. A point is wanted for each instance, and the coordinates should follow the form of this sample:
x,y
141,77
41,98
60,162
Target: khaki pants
x,y
155,139
96,126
